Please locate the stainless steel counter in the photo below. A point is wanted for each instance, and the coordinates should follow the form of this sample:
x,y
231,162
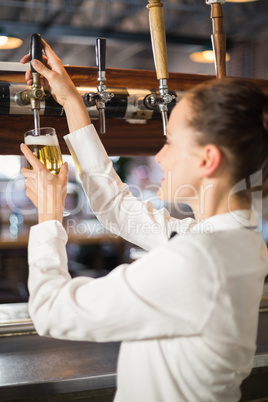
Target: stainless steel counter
x,y
32,366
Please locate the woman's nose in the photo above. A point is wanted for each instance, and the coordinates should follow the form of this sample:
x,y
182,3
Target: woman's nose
x,y
157,157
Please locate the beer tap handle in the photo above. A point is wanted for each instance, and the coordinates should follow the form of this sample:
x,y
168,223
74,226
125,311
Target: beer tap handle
x,y
101,65
100,97
218,37
35,49
101,56
36,53
158,37
36,94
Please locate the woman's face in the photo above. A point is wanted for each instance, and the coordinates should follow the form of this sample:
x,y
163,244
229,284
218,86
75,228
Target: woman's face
x,y
179,158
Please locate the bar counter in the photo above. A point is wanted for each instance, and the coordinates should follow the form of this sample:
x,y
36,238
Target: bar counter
x,y
34,368
40,369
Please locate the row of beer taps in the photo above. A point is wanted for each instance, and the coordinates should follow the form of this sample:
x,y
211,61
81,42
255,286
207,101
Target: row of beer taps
x,y
155,100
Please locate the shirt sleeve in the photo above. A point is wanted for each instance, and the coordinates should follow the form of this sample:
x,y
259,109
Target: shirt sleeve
x,y
110,199
157,296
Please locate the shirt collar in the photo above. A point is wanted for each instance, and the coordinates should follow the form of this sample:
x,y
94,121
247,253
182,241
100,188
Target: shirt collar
x,y
228,221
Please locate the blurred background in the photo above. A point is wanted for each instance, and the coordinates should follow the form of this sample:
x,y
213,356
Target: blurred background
x,y
71,27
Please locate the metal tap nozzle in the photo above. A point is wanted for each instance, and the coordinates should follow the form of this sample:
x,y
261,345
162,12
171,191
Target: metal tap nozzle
x,y
160,100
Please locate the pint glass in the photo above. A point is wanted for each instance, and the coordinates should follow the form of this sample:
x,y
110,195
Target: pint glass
x,y
43,142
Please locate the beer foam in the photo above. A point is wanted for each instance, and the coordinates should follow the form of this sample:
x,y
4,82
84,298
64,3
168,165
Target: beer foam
x,y
48,140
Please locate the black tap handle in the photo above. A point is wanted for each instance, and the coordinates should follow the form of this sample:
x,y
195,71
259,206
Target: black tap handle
x,y
101,53
36,48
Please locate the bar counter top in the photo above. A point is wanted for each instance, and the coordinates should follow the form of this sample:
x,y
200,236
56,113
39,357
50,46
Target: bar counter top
x,y
34,367
40,369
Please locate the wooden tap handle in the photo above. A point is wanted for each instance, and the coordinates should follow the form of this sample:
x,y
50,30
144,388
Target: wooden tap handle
x,y
158,36
218,39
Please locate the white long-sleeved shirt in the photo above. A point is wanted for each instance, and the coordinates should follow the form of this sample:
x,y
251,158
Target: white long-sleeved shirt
x,y
186,313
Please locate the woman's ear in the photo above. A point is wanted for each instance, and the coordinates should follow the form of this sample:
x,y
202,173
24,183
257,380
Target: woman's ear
x,y
210,160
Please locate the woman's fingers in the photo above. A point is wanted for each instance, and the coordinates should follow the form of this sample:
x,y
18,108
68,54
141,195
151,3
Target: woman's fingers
x,y
25,59
48,51
30,185
41,68
28,74
28,173
63,173
31,158
54,77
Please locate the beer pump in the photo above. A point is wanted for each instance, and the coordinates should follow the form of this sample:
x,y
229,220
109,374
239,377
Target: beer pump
x,y
100,97
157,28
218,38
36,94
134,105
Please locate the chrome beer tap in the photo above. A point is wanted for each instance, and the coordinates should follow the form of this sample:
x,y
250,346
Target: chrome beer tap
x,y
36,94
157,29
102,96
160,100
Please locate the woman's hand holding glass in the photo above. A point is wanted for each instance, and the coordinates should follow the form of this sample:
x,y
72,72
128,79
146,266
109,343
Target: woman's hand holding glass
x,y
46,190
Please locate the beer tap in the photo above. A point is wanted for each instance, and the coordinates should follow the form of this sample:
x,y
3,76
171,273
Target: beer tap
x,y
218,38
157,28
100,97
36,94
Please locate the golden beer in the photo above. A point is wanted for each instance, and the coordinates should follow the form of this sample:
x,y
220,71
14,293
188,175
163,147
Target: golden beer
x,y
46,148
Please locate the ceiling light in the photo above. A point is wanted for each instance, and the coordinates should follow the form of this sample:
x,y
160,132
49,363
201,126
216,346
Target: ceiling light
x,y
205,56
9,42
